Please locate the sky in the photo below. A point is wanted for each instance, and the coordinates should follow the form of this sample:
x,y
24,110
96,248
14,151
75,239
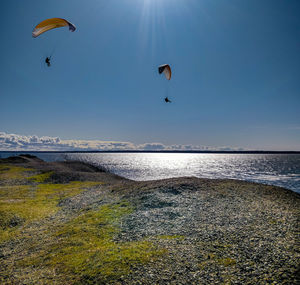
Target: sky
x,y
235,74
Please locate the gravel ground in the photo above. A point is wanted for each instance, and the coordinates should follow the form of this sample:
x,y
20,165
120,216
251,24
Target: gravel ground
x,y
228,231
212,231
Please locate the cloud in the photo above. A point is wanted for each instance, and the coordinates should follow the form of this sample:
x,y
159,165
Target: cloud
x,y
19,142
14,142
152,146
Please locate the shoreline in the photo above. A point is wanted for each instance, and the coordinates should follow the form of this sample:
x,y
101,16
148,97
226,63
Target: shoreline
x,y
163,151
277,169
79,224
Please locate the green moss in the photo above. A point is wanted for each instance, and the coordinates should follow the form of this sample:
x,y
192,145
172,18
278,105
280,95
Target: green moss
x,y
227,261
211,256
15,193
273,222
30,203
221,246
171,237
85,247
215,254
216,245
227,279
40,178
214,260
8,220
8,172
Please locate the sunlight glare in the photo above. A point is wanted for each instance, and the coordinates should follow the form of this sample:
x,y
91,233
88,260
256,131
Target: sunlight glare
x,y
155,19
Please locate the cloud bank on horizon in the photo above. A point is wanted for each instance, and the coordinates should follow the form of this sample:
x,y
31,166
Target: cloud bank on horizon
x,y
14,142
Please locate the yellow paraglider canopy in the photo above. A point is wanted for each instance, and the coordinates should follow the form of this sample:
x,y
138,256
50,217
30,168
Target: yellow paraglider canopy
x,y
50,24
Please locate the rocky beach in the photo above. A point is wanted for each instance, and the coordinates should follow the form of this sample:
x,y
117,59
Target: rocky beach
x,y
73,223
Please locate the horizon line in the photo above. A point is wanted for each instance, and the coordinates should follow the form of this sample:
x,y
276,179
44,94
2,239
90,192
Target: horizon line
x,y
160,151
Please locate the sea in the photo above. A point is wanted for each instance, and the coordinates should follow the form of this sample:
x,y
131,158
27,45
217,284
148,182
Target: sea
x,y
274,169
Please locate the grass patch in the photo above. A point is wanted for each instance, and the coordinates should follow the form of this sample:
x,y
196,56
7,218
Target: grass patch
x,y
8,223
215,255
9,172
214,260
85,247
171,237
28,203
227,261
8,220
40,178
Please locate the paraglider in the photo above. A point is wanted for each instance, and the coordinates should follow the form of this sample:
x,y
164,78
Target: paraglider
x,y
166,69
50,24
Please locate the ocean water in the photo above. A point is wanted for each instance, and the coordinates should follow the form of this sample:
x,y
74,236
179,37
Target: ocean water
x,y
275,169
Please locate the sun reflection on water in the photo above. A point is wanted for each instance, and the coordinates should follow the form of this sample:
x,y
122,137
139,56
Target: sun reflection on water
x,y
277,169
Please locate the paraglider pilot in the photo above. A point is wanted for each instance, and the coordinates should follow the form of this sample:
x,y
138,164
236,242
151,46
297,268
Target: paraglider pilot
x,y
47,60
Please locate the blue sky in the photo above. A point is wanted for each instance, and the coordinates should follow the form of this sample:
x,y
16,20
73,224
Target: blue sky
x,y
236,72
